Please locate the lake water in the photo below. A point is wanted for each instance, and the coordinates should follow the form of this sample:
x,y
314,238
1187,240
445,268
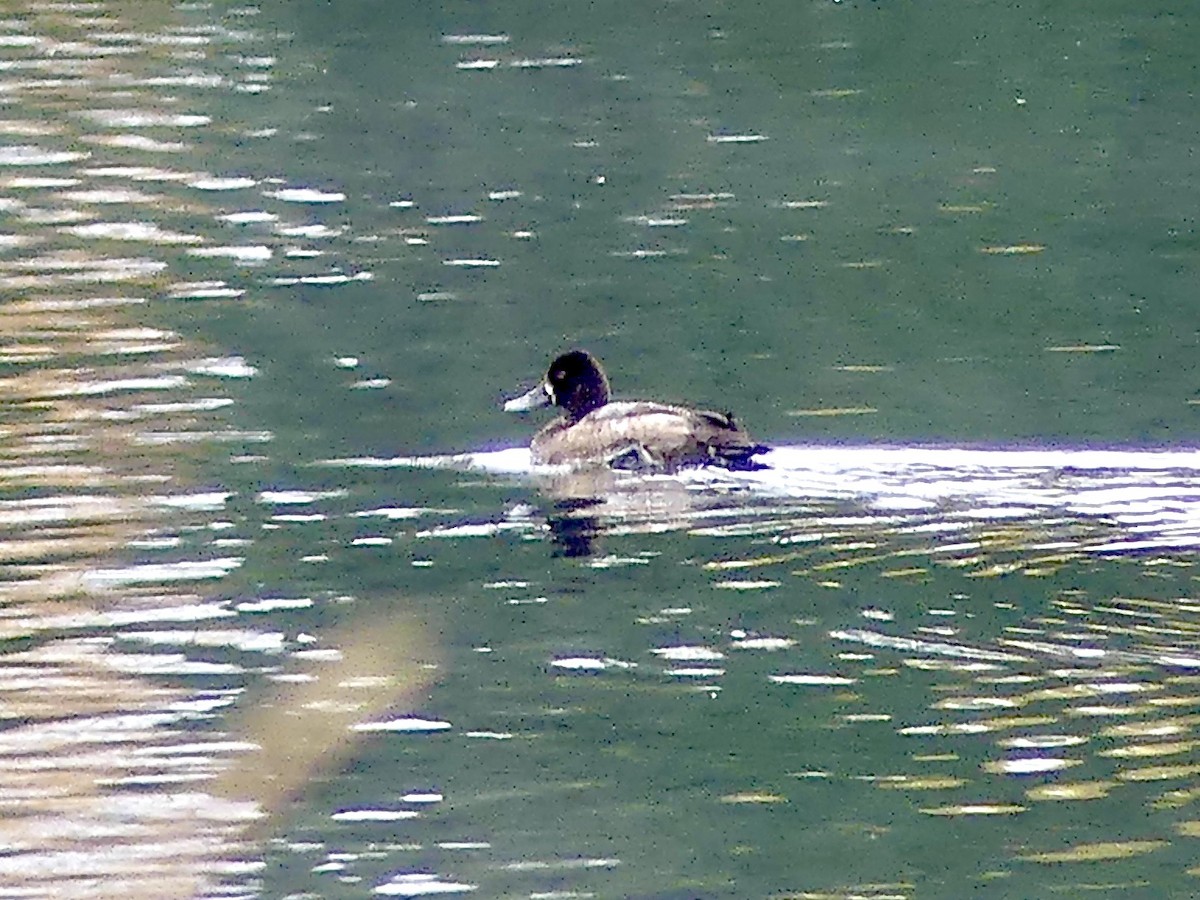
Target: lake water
x,y
288,612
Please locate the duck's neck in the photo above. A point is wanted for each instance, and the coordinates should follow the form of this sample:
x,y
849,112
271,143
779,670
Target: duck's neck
x,y
587,398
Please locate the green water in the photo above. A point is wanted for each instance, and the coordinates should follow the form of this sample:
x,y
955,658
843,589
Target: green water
x,y
858,224
926,142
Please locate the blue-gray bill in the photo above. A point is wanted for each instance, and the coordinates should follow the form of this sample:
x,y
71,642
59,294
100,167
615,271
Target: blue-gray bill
x,y
534,399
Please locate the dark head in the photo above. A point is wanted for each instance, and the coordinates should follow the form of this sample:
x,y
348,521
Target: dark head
x,y
574,382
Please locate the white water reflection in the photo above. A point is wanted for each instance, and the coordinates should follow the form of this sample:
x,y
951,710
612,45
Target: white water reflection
x,y
1144,499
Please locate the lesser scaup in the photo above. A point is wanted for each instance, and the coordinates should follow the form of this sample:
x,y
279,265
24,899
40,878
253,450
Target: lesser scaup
x,y
627,434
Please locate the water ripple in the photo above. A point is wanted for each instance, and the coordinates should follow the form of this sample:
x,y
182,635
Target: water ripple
x,y
1099,501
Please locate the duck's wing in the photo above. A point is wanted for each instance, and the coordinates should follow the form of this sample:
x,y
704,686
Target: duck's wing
x,y
654,435
675,435
663,431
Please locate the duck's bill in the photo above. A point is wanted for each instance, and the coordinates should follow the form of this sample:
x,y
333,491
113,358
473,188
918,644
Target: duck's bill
x,y
538,397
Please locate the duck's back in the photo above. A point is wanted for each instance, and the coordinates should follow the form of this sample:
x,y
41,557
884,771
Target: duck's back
x,y
661,436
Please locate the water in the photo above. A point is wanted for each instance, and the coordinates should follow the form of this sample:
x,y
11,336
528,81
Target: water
x,y
287,610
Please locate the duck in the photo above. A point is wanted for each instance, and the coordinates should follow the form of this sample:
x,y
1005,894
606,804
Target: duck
x,y
634,435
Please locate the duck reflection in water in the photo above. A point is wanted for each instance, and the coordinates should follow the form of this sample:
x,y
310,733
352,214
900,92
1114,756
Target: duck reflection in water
x,y
572,531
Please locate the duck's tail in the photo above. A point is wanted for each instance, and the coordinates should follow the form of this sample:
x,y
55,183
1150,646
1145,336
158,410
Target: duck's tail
x,y
740,457
732,448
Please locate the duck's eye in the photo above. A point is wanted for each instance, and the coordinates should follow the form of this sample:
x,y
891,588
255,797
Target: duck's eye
x,y
560,375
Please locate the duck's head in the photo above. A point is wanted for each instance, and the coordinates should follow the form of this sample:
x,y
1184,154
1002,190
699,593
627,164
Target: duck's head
x,y
574,382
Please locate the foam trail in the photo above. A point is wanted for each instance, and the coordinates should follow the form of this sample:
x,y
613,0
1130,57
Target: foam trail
x,y
1153,496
